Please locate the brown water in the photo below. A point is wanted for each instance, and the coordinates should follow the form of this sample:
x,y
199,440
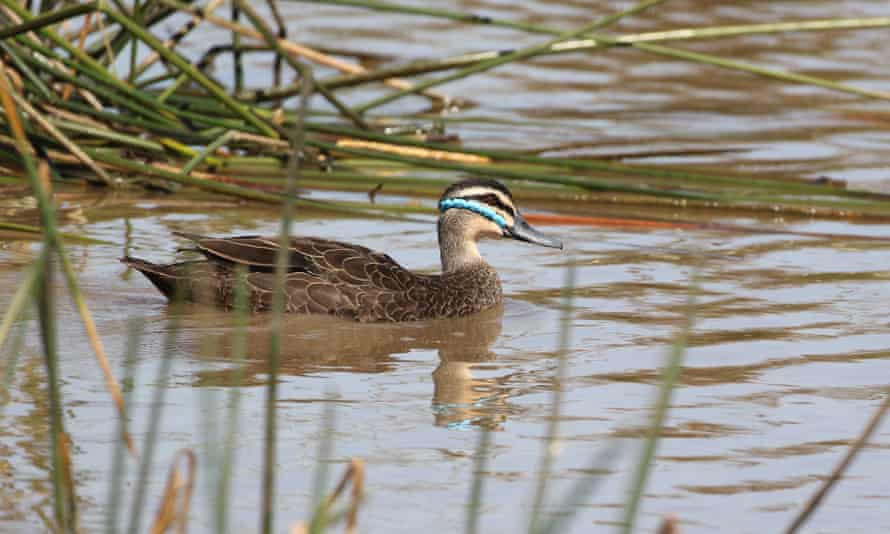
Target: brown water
x,y
790,353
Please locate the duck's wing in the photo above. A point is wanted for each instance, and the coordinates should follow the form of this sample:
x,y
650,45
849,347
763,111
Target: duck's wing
x,y
305,254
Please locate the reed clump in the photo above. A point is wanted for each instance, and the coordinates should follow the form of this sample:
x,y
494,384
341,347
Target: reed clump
x,y
103,94
111,98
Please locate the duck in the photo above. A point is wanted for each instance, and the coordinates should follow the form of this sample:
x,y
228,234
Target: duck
x,y
354,282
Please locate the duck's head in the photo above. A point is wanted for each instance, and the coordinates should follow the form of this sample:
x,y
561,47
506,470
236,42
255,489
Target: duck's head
x,y
481,208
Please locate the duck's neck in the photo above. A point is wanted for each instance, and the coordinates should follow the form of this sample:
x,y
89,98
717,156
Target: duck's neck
x,y
457,247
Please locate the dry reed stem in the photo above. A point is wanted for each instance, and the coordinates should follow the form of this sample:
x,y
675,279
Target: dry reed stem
x,y
842,466
253,138
63,140
81,41
174,508
355,473
73,117
15,125
64,441
102,359
304,51
669,525
209,176
91,99
92,332
180,33
414,152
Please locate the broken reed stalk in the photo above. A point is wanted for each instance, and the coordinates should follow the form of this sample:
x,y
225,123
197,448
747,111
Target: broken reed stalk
x,y
354,475
318,511
177,497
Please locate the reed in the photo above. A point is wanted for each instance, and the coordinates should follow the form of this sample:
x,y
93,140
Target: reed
x,y
195,124
165,122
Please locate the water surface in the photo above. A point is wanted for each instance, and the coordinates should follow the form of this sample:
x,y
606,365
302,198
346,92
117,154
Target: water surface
x,y
789,355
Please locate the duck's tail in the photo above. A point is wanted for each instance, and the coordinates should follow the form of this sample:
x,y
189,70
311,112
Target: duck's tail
x,y
167,278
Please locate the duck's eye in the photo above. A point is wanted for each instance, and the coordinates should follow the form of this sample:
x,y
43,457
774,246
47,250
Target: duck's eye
x,y
494,201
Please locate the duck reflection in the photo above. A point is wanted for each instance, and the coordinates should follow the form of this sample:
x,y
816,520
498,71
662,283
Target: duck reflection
x,y
314,344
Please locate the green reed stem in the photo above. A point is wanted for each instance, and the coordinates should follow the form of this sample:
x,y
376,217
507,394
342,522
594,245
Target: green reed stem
x,y
239,352
635,40
108,135
698,57
173,87
16,348
63,499
135,329
319,511
426,11
64,503
207,151
47,19
152,431
63,140
548,449
474,508
132,74
669,376
577,45
33,82
20,299
509,58
274,44
297,140
500,172
87,63
149,125
579,494
186,68
237,64
667,35
592,165
134,101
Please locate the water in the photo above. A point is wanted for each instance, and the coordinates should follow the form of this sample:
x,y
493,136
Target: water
x,y
788,358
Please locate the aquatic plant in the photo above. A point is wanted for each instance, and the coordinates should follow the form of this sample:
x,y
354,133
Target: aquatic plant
x,y
166,123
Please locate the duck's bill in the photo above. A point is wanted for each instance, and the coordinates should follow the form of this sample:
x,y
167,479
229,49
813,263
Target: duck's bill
x,y
522,231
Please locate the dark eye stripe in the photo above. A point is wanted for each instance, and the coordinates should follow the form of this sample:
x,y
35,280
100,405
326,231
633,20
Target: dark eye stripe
x,y
493,201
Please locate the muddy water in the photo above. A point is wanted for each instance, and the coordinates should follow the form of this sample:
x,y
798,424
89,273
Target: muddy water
x,y
790,352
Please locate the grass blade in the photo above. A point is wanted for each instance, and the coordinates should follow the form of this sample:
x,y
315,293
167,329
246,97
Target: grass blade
x,y
669,376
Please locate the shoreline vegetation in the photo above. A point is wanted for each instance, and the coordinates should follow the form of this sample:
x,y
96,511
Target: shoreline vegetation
x,y
98,93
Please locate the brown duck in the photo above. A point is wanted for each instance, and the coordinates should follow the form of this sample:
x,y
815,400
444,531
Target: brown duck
x,y
354,282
